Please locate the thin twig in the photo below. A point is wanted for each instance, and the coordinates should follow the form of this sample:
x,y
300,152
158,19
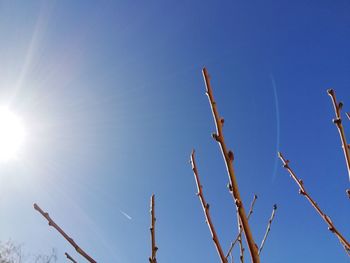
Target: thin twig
x,y
241,248
153,258
268,228
70,258
348,192
69,239
348,115
240,231
205,207
302,191
228,158
338,122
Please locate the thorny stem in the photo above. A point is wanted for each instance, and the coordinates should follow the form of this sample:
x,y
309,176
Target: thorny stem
x,y
302,191
228,158
153,258
240,230
69,239
70,258
268,228
338,122
205,207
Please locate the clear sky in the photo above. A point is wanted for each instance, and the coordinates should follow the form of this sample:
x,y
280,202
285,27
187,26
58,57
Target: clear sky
x,y
112,97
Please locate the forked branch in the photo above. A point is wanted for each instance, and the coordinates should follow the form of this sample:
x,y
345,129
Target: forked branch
x,y
70,258
338,122
205,207
241,229
69,239
228,158
268,228
302,191
153,258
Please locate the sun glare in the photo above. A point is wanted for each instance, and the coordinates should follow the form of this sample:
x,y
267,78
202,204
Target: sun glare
x,y
11,135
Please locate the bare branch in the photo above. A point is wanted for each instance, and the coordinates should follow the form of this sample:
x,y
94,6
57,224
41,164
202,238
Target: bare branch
x,y
268,228
338,122
69,239
228,158
241,248
70,258
241,229
348,115
302,191
348,192
205,207
153,258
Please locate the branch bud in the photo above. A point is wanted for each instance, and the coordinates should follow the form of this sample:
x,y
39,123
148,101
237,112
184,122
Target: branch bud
x,y
231,156
238,203
337,121
330,92
340,105
331,229
215,136
222,120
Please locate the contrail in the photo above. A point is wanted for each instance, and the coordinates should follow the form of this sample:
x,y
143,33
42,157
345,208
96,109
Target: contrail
x,y
277,125
125,214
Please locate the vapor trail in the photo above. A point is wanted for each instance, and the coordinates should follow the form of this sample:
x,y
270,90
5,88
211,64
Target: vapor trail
x,y
277,126
125,214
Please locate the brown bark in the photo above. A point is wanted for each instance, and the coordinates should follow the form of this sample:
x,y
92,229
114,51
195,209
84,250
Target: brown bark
x,y
153,258
302,191
205,207
228,158
69,239
338,122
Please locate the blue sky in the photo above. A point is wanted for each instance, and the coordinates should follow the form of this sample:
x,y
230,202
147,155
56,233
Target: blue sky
x,y
112,97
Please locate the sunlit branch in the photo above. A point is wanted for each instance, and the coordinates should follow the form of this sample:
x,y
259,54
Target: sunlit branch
x,y
153,258
268,228
228,158
69,239
302,191
241,229
205,207
70,258
241,248
338,122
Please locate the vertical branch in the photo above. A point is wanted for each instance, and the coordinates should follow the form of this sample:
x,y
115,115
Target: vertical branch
x,y
241,248
205,207
268,228
69,239
241,229
153,258
228,158
302,191
338,122
70,258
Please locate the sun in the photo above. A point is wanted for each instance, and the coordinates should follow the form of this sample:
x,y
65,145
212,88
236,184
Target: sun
x,y
12,134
